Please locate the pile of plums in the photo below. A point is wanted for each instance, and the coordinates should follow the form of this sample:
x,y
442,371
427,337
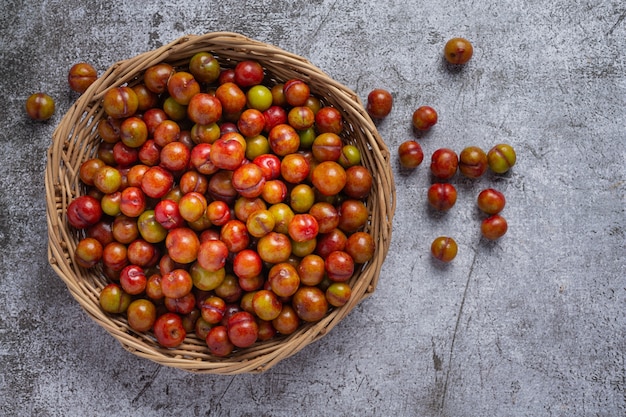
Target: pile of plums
x,y
223,203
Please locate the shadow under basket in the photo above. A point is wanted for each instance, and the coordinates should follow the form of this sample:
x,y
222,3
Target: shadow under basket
x,y
75,140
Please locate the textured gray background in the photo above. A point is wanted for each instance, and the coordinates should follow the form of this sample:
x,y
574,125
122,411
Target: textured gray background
x,y
532,325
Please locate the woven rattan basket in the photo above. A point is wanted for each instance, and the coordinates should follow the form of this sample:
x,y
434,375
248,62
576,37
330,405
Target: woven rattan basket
x,y
75,140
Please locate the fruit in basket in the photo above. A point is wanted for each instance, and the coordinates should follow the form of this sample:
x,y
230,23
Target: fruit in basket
x,y
218,341
249,73
274,191
142,253
338,294
84,211
350,156
329,120
274,247
202,328
204,67
259,97
176,283
169,331
141,315
109,128
379,103
182,87
157,182
287,321
230,291
205,280
301,198
133,279
221,187
213,309
266,330
353,215
458,51
185,306
149,153
327,147
88,252
283,279
124,155
108,179
192,206
110,203
113,299
168,215
339,266
149,228
132,202
147,99
313,103
235,235
157,76
301,117
218,212
39,106
359,182
174,110
204,109
326,214
329,178
361,247
229,205
120,102
251,123
81,76
248,265
294,168
101,231
115,256
125,229
243,329
310,303
270,164
307,137
232,97
283,139
296,92
182,245
248,180
266,305
303,227
88,169
274,116
329,242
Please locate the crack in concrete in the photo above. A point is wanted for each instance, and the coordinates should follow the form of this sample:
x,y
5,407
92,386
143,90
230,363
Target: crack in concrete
x,y
456,329
147,384
620,19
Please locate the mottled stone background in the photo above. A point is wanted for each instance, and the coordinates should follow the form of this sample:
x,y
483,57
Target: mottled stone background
x,y
531,325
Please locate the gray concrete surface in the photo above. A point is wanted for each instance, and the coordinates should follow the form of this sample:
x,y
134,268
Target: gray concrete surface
x,y
532,325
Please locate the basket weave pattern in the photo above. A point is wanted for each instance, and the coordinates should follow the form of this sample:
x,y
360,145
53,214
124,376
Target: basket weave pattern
x,y
75,140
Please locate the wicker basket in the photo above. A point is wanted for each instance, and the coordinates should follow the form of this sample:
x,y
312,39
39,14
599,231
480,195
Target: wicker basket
x,y
75,140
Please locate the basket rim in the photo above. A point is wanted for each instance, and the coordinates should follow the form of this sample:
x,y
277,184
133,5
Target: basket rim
x,y
61,182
